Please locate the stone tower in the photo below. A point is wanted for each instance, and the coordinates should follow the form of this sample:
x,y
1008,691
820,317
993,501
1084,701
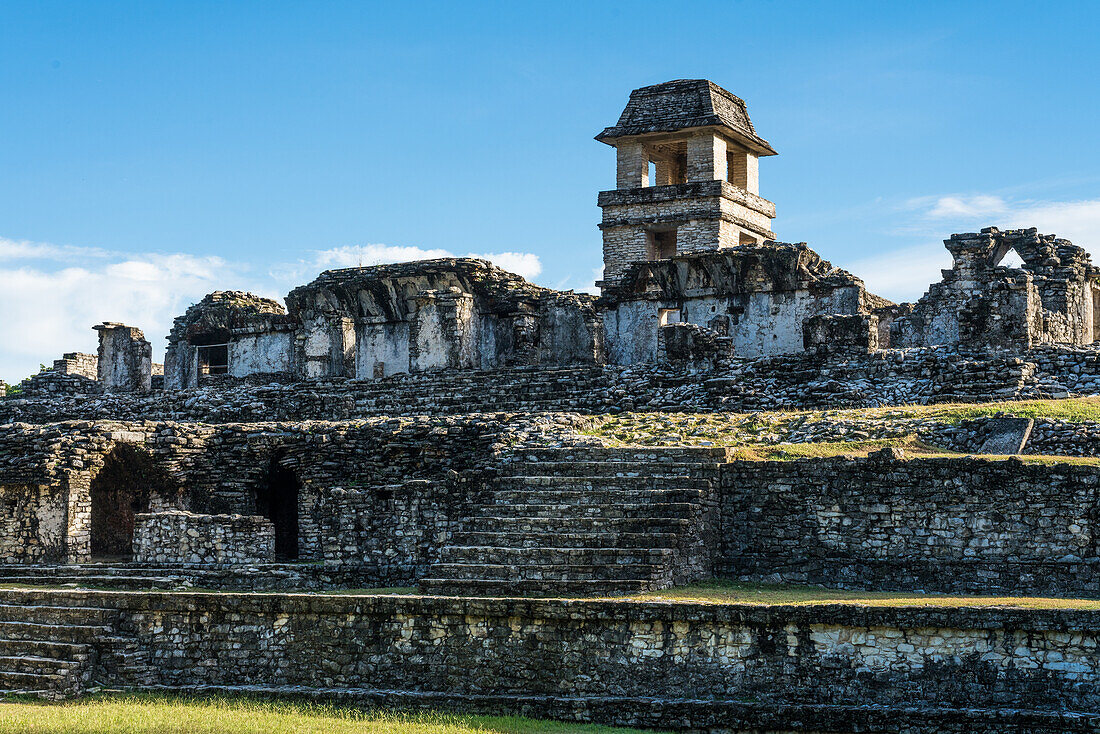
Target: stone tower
x,y
687,176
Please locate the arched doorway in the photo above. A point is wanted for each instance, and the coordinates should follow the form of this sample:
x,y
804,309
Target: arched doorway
x,y
120,491
277,500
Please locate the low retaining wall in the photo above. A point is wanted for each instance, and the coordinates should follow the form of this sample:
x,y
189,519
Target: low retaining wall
x,y
177,537
951,525
649,656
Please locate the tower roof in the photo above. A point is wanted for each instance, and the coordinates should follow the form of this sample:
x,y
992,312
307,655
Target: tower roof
x,y
686,103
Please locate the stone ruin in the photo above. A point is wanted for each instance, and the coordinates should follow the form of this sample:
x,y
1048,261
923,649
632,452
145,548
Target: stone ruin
x,y
419,425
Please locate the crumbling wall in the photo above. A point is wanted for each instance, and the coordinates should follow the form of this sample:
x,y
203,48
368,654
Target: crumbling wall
x,y
438,315
125,359
396,529
175,537
256,330
697,666
980,303
74,374
760,297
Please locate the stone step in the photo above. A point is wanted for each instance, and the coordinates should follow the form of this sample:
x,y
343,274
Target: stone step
x,y
592,497
52,632
637,483
16,682
40,665
533,587
588,468
547,571
56,615
511,555
46,649
654,540
500,523
122,583
646,455
565,511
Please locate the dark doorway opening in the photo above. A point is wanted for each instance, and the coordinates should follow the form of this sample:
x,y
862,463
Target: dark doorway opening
x,y
120,491
277,500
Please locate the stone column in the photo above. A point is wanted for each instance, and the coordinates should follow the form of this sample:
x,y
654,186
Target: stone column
x,y
632,166
706,158
125,359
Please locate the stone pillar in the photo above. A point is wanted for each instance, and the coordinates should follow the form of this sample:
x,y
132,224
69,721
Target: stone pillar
x,y
125,359
706,158
632,166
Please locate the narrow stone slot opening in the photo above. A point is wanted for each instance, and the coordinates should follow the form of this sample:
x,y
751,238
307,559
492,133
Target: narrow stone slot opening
x,y
277,500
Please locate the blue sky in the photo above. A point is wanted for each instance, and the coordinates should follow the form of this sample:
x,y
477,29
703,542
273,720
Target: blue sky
x,y
153,151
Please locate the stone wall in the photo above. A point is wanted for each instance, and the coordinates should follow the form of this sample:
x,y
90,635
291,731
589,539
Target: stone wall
x,y
175,537
453,314
947,525
74,374
820,379
759,298
378,493
670,665
1049,300
32,522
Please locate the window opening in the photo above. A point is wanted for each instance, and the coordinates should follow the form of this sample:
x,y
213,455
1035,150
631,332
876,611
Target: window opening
x,y
214,359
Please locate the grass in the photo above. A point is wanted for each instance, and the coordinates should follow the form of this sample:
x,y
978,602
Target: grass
x,y
159,714
782,435
913,447
1070,409
734,592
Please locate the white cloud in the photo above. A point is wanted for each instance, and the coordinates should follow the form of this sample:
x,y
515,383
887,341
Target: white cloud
x,y
26,250
1078,221
953,207
48,311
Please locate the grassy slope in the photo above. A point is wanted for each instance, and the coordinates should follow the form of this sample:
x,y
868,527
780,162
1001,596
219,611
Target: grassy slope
x,y
746,431
143,714
733,592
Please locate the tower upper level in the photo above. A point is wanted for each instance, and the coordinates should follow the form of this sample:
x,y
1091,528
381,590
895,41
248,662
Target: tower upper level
x,y
687,175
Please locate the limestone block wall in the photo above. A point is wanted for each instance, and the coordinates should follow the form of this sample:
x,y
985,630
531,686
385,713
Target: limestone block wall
x,y
32,523
759,323
74,374
672,657
396,530
707,215
952,525
176,537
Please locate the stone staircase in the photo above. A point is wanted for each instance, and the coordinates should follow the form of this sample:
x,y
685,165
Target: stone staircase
x,y
51,651
142,577
584,521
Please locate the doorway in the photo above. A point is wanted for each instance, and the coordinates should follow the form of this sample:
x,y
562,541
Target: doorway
x,y
119,492
277,500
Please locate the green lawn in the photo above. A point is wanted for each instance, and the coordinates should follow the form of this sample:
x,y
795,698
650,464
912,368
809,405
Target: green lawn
x,y
145,714
734,592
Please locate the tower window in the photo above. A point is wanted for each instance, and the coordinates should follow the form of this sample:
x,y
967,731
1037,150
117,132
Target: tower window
x,y
661,244
214,359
